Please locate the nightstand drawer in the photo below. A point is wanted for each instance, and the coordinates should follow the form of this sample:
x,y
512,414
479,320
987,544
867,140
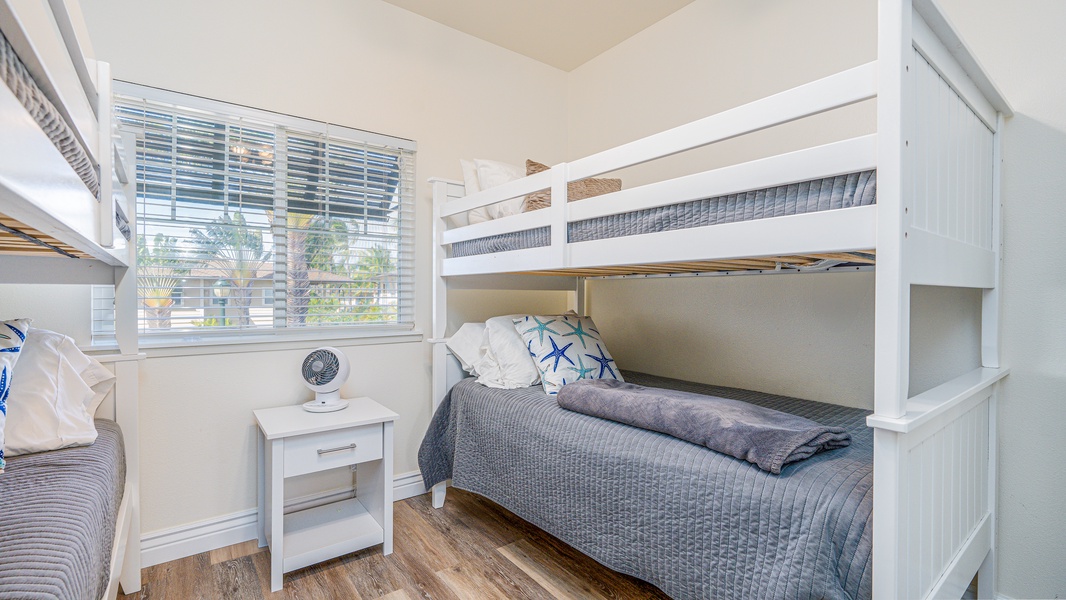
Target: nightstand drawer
x,y
320,451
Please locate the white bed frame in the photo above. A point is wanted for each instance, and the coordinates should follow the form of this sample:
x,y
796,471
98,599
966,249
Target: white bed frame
x,y
936,222
40,191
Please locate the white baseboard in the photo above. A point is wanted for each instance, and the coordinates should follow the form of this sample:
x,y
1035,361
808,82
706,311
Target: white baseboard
x,y
408,485
186,540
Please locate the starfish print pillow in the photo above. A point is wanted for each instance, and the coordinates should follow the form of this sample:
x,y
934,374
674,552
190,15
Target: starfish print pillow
x,y
565,349
12,335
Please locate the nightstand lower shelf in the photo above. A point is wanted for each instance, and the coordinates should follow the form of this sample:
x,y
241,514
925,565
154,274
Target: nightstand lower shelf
x,y
323,532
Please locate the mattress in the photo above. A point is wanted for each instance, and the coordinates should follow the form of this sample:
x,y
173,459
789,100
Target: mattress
x,y
695,523
830,193
59,514
13,73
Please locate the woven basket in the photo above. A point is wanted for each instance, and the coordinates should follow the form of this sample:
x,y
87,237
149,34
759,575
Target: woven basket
x,y
575,190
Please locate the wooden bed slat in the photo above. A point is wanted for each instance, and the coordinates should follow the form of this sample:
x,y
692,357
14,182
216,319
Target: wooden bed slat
x,y
11,243
761,263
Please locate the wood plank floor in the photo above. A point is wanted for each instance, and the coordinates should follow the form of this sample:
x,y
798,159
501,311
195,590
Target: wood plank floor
x,y
470,549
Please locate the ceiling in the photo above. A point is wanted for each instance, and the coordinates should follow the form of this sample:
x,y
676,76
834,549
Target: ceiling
x,y
562,33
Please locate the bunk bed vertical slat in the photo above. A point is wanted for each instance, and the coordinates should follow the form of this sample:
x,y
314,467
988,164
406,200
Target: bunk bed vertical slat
x,y
559,212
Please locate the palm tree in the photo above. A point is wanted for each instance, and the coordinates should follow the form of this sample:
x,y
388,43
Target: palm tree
x,y
298,290
160,271
376,268
236,251
312,242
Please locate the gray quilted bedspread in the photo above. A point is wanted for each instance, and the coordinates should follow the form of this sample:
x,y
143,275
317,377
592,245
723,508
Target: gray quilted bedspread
x,y
13,73
695,523
59,518
831,193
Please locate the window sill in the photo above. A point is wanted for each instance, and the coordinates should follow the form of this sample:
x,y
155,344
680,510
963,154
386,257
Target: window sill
x,y
269,342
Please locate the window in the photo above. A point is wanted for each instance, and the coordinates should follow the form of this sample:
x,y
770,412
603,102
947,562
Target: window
x,y
251,221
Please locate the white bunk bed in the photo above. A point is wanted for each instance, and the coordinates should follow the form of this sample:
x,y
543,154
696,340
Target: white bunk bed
x,y
55,229
936,221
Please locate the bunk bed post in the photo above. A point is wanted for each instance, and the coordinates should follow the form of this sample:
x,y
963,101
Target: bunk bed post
x,y
105,221
127,398
894,124
439,383
990,357
579,296
895,113
990,296
439,326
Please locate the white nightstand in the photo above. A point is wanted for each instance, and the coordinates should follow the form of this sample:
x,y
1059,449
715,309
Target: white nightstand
x,y
293,442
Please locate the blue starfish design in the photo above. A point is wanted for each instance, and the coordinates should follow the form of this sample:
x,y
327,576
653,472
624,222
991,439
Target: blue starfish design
x,y
605,362
579,331
581,369
557,353
17,332
4,389
540,328
529,346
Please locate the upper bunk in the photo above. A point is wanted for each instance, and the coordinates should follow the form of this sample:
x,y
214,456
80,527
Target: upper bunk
x,y
66,173
928,178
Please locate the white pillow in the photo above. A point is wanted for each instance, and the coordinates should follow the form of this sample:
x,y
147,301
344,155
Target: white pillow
x,y
506,362
491,173
466,345
12,339
56,392
470,181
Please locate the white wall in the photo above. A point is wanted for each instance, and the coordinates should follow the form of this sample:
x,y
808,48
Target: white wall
x,y
1022,46
811,335
360,63
63,308
713,55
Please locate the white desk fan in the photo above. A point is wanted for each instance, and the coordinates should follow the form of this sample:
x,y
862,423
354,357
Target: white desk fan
x,y
325,370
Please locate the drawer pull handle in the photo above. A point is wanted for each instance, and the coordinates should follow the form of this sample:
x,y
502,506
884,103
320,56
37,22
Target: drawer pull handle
x,y
337,449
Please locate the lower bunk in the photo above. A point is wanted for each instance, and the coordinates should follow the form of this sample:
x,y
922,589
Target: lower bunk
x,y
63,511
695,523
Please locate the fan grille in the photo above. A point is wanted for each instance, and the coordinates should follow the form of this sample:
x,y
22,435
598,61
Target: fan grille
x,y
320,367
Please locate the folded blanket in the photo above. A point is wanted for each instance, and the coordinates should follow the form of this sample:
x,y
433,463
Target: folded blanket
x,y
768,438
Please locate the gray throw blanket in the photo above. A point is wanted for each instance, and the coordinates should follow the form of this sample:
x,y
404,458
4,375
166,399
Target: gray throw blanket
x,y
765,437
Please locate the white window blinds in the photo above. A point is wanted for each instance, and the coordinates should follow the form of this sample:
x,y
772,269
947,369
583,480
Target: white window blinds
x,y
251,220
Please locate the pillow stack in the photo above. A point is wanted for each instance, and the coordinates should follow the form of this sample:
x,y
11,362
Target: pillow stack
x,y
495,353
52,396
521,350
480,174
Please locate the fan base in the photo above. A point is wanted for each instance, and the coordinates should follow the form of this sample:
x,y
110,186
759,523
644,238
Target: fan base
x,y
316,406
